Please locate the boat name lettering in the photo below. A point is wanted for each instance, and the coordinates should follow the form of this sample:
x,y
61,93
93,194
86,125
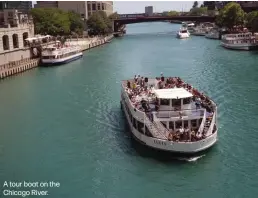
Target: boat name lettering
x,y
160,142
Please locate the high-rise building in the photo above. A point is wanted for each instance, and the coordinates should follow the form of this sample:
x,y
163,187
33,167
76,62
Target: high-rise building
x,y
84,8
149,10
24,6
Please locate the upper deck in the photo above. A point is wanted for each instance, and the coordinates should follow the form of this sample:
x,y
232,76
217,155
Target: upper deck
x,y
166,94
59,49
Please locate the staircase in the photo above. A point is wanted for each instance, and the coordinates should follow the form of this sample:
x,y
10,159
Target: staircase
x,y
154,129
206,126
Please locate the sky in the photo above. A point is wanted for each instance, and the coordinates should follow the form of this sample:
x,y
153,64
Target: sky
x,y
130,7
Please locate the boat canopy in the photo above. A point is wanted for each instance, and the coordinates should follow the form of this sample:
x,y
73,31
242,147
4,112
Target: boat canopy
x,y
173,93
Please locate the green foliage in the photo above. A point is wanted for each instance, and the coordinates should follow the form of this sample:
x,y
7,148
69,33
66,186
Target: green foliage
x,y
172,13
77,24
252,21
195,5
99,24
55,22
231,15
113,16
198,11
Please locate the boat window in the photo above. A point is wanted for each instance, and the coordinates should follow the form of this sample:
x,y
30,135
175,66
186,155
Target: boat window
x,y
171,125
185,123
178,124
147,132
140,127
134,123
193,123
186,100
164,102
176,102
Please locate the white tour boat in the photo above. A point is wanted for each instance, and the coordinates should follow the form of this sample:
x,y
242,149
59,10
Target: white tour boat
x,y
60,54
189,26
199,31
183,33
170,115
241,41
213,34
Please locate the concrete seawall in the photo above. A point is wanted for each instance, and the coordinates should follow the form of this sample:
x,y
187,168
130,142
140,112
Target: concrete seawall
x,y
16,67
87,44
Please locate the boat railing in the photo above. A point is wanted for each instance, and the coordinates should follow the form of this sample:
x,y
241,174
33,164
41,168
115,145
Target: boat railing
x,y
203,122
179,113
210,130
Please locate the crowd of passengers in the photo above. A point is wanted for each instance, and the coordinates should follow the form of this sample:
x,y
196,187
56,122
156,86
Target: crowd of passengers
x,y
185,135
138,87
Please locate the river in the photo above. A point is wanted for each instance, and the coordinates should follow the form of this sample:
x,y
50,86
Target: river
x,y
64,123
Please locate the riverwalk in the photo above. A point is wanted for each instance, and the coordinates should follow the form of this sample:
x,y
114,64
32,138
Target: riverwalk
x,y
16,67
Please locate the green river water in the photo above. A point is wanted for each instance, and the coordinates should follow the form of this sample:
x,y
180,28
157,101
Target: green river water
x,y
64,123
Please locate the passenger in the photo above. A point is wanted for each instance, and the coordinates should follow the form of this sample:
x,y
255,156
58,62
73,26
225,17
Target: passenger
x,y
135,78
128,84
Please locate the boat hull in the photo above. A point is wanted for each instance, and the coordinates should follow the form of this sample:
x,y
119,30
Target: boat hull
x,y
182,36
212,36
182,148
239,47
53,62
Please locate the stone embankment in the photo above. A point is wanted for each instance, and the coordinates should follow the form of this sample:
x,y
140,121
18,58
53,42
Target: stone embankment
x,y
16,67
88,43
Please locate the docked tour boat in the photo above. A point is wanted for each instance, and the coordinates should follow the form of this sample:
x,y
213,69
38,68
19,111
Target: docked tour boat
x,y
213,34
241,41
189,26
199,31
170,115
60,54
183,33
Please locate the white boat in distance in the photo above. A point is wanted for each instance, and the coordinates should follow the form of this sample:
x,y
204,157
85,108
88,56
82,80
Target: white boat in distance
x,y
240,41
183,33
60,54
213,34
168,114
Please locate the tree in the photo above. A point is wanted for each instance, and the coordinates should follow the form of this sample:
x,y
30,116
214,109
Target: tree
x,y
172,13
114,16
198,11
96,24
77,24
252,21
195,5
231,15
55,22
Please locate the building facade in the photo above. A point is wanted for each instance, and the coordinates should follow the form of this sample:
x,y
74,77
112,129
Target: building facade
x,y
84,8
23,6
149,10
15,27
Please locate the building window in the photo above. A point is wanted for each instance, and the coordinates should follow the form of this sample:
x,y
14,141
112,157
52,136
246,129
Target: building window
x,y
25,35
6,45
82,15
98,6
15,41
103,6
93,6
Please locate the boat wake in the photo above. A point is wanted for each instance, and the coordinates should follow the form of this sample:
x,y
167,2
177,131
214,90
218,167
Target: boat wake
x,y
191,159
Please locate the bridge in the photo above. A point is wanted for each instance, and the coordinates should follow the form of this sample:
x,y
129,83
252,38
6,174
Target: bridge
x,y
140,18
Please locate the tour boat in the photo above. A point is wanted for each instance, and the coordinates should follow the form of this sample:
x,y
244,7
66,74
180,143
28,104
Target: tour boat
x,y
189,26
60,54
169,115
241,41
199,31
213,34
183,33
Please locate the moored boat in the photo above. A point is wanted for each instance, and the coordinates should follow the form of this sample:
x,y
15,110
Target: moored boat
x,y
58,54
199,31
183,33
240,41
168,114
213,34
